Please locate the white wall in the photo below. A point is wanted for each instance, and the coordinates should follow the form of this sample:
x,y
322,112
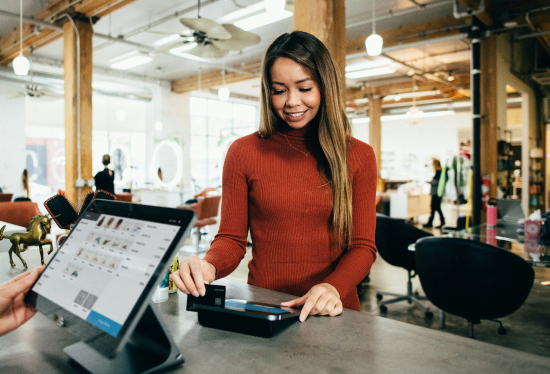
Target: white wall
x,y
12,141
172,110
434,137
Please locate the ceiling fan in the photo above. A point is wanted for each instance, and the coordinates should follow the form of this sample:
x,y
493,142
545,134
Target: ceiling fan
x,y
213,40
32,90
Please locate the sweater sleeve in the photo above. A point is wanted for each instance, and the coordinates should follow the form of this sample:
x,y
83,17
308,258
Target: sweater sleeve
x,y
229,246
357,260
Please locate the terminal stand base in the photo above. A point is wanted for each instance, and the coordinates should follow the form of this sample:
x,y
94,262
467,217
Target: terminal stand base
x,y
149,349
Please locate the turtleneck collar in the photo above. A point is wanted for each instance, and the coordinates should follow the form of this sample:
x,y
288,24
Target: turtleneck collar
x,y
306,135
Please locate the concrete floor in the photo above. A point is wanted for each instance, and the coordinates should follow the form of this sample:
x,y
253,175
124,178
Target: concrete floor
x,y
528,329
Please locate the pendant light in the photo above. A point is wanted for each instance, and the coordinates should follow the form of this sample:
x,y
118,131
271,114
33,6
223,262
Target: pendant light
x,y
374,41
20,63
223,92
414,115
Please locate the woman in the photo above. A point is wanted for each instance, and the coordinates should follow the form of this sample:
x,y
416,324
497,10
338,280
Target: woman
x,y
302,185
436,199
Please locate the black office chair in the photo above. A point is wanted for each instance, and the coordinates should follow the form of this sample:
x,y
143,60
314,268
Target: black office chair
x,y
472,280
393,238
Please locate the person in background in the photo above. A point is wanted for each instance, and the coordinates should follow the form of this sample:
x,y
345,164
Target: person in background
x,y
436,199
105,179
302,184
13,311
25,180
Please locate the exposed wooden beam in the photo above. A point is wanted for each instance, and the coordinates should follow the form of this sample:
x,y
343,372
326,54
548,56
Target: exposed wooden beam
x,y
428,30
375,133
484,16
9,43
394,88
326,19
74,87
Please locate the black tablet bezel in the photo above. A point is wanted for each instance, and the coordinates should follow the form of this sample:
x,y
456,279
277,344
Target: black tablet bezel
x,y
104,342
260,315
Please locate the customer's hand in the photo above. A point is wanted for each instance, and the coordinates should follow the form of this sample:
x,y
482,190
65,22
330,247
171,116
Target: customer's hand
x,y
193,274
322,299
13,311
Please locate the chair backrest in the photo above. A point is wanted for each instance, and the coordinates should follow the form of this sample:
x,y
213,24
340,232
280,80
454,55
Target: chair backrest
x,y
472,280
5,197
205,192
393,238
210,207
19,213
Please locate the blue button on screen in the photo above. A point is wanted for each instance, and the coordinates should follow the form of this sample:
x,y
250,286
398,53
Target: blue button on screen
x,y
104,323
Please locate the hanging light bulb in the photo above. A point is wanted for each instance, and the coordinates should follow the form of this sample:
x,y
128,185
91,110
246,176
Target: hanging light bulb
x,y
274,6
223,92
414,115
397,97
451,77
374,42
20,63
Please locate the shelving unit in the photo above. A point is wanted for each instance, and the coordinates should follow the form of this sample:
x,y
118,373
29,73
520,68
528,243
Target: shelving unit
x,y
536,179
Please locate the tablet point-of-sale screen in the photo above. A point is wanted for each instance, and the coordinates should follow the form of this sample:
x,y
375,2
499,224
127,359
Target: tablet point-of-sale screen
x,y
103,267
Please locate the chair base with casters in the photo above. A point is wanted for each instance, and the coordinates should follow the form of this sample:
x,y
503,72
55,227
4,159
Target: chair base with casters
x,y
501,330
410,297
393,238
197,247
472,280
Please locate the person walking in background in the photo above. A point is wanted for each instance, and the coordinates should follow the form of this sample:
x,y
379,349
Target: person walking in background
x,y
436,199
25,181
105,179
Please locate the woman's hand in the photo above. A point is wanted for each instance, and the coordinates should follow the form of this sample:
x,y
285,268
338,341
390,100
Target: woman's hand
x,y
13,311
322,299
193,274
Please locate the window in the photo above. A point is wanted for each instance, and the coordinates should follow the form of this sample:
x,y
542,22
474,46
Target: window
x,y
214,126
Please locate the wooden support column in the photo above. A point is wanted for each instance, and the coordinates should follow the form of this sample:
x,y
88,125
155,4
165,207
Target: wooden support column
x,y
71,105
326,19
489,94
375,134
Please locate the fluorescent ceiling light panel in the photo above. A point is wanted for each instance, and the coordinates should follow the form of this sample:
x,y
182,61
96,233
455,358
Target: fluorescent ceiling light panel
x,y
357,121
130,60
370,72
424,115
367,64
183,48
409,95
262,19
243,12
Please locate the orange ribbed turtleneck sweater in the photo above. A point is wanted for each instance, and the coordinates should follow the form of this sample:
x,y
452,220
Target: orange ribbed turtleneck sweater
x,y
272,188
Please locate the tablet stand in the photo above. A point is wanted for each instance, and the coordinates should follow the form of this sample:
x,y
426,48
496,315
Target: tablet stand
x,y
149,349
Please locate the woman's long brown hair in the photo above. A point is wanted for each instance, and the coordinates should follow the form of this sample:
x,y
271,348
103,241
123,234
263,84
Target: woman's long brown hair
x,y
334,127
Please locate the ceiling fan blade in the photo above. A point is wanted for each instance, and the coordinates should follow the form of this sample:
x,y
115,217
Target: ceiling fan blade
x,y
211,28
49,93
208,51
240,39
165,48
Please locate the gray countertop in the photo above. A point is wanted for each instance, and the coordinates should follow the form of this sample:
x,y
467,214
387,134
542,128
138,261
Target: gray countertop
x,y
351,343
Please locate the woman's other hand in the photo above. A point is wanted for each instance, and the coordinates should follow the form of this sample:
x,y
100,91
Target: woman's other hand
x,y
13,311
322,299
193,274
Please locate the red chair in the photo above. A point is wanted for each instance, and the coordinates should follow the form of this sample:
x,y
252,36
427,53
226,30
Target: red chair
x,y
125,196
5,197
19,213
207,210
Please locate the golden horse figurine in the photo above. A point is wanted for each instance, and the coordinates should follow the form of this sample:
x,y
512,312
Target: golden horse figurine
x,y
38,228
